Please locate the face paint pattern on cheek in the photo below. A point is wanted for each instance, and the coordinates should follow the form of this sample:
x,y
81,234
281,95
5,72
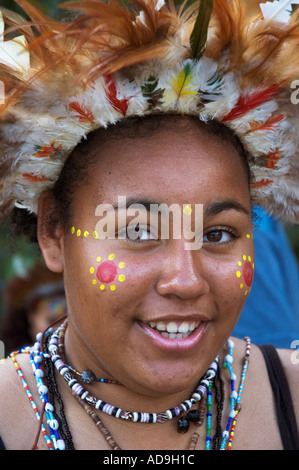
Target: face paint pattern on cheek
x,y
245,273
107,272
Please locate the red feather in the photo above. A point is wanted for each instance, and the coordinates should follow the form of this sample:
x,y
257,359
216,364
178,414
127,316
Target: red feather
x,y
120,105
251,101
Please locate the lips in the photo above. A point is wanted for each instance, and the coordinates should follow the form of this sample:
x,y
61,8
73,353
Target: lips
x,y
174,329
175,335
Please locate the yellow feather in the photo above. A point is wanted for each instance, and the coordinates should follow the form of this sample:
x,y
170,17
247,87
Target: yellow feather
x,y
181,83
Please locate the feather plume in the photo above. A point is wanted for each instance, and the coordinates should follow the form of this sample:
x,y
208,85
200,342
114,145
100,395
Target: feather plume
x,y
198,36
84,114
112,61
13,53
151,92
250,101
120,105
228,24
35,178
124,38
268,125
278,10
181,83
272,158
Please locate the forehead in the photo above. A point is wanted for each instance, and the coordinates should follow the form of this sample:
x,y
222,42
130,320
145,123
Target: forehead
x,y
168,163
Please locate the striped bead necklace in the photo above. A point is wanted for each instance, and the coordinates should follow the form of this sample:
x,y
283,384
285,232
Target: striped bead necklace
x,y
135,416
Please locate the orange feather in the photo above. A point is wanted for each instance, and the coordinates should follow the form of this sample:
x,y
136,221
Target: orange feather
x,y
84,115
35,178
268,125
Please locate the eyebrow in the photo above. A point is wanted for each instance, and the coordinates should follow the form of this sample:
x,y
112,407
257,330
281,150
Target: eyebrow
x,y
132,200
216,207
211,209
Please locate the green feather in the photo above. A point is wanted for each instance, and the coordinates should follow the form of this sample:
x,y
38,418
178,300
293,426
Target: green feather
x,y
198,36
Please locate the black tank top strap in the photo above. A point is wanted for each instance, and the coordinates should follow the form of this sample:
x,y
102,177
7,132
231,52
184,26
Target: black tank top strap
x,y
284,404
2,447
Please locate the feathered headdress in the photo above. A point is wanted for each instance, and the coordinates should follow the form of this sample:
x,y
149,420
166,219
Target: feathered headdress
x,y
62,80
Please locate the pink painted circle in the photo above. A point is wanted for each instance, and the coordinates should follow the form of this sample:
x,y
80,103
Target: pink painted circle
x,y
248,273
106,272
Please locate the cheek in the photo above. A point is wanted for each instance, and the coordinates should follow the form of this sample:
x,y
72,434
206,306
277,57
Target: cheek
x,y
108,272
244,273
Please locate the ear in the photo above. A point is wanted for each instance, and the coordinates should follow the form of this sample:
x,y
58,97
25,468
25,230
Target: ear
x,y
50,232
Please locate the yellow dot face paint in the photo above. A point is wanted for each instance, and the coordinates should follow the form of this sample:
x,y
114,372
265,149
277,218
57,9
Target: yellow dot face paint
x,y
107,271
187,210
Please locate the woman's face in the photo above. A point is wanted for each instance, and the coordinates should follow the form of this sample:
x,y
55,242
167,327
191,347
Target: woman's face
x,y
150,312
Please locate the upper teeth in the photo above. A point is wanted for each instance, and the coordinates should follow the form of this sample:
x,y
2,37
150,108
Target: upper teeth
x,y
173,327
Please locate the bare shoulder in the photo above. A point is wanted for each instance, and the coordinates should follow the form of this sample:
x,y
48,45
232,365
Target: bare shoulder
x,y
8,380
290,362
16,414
8,389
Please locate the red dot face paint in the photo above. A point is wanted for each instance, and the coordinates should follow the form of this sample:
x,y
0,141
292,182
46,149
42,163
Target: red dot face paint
x,y
106,272
245,273
248,273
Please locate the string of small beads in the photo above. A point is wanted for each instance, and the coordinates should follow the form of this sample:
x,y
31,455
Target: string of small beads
x,y
114,411
49,408
209,418
238,404
29,395
203,392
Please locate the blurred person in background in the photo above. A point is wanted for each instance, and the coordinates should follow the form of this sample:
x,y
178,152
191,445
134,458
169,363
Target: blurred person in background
x,y
31,303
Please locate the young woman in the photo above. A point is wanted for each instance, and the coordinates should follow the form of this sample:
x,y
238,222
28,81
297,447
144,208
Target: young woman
x,y
144,359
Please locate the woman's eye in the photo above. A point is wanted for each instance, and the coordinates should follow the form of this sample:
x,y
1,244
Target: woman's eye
x,y
138,233
218,236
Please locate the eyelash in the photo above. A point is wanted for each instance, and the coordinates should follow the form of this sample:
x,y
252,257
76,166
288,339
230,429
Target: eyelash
x,y
223,230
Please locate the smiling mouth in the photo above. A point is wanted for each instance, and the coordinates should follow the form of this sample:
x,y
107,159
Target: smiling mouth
x,y
173,329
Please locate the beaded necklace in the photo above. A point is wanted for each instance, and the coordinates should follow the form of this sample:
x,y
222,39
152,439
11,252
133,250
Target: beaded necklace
x,y
162,417
60,437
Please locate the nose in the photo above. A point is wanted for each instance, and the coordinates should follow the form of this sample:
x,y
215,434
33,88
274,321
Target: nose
x,y
182,273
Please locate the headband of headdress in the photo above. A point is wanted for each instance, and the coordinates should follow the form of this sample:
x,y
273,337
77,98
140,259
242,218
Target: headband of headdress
x,y
61,80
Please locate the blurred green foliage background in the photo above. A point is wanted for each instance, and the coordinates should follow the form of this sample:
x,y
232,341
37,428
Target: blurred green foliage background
x,y
17,256
48,6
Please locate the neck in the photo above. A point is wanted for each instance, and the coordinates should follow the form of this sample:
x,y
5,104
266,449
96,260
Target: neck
x,y
128,398
125,394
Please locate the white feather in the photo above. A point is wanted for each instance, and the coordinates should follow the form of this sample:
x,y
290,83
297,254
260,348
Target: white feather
x,y
279,10
13,53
